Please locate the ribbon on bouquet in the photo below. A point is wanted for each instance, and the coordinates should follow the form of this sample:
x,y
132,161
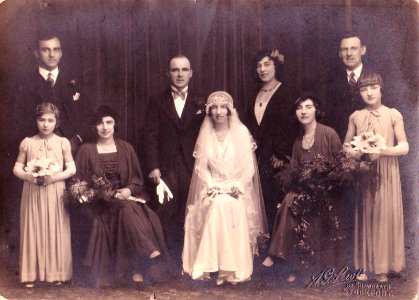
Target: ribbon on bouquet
x,y
161,190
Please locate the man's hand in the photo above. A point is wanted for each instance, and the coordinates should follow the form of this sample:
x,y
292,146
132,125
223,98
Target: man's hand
x,y
155,176
276,163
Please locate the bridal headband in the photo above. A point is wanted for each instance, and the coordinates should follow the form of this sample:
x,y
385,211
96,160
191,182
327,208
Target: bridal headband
x,y
219,97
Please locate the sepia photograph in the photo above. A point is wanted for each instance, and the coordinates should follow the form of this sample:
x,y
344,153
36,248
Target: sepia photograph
x,y
209,149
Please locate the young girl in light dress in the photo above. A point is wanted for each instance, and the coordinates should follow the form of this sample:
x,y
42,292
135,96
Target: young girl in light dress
x,y
45,240
379,228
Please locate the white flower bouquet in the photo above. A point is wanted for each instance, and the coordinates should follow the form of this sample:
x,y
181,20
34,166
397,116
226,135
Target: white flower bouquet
x,y
368,142
41,167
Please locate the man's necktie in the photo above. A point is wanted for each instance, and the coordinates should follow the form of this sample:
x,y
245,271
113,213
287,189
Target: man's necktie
x,y
352,83
176,94
50,79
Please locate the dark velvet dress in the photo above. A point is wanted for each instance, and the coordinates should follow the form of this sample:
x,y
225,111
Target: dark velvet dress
x,y
123,232
326,254
274,136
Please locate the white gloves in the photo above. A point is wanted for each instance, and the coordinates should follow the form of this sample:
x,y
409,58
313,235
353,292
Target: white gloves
x,y
161,189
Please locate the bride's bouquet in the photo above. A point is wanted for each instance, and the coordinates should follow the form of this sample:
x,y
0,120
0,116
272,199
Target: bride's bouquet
x,y
368,142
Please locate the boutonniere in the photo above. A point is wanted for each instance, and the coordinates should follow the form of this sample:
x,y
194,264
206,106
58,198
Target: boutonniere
x,y
198,112
76,95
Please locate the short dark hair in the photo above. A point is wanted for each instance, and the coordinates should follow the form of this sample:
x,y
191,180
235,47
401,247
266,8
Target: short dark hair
x,y
105,111
308,95
261,55
178,56
370,78
45,36
350,34
48,108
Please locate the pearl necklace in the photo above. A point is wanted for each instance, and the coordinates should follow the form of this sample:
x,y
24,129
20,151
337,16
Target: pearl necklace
x,y
271,89
221,137
107,148
309,141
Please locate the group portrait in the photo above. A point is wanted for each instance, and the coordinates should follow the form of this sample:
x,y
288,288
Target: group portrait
x,y
208,149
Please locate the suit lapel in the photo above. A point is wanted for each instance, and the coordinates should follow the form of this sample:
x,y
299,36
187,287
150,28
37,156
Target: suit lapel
x,y
188,110
168,106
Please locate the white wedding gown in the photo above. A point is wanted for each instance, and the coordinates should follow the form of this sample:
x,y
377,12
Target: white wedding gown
x,y
216,228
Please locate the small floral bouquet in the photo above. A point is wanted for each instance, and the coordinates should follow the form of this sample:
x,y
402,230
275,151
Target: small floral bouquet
x,y
96,189
41,167
368,142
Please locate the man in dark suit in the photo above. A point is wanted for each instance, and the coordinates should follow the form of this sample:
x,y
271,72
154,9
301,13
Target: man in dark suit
x,y
172,126
342,97
50,83
47,83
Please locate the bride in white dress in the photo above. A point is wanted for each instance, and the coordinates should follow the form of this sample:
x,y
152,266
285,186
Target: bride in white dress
x,y
225,212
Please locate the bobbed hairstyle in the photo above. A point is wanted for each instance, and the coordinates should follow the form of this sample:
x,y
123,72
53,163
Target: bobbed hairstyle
x,y
370,78
104,111
261,55
48,108
308,95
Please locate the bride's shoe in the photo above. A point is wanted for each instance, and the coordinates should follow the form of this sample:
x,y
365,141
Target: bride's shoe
x,y
268,262
219,281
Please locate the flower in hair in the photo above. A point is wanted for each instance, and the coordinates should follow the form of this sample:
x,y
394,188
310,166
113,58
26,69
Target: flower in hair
x,y
278,56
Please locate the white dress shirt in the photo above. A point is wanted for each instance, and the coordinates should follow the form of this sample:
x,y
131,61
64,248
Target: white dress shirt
x,y
357,72
179,102
44,73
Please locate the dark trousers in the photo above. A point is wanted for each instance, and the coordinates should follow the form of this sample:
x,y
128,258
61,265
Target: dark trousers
x,y
172,213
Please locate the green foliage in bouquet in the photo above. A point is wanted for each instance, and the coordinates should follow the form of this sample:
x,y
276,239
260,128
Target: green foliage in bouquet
x,y
87,191
312,183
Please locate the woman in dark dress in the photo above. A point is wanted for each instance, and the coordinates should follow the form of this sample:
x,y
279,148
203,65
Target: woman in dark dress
x,y
316,139
123,231
271,123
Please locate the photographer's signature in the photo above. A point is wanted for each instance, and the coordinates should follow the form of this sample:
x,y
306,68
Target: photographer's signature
x,y
330,277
